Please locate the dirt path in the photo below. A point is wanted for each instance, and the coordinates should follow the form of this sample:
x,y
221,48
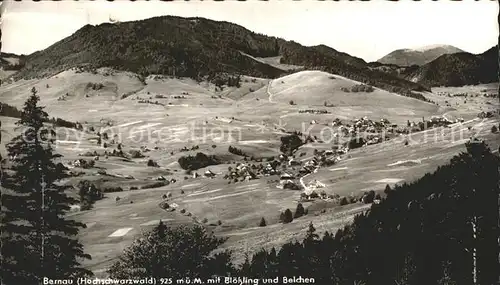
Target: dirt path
x,y
268,91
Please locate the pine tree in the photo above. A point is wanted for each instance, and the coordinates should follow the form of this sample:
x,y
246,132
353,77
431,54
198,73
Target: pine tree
x,y
299,211
282,217
37,241
287,216
311,234
262,222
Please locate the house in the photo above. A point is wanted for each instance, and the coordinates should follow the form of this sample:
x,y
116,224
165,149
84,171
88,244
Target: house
x,y
289,184
209,174
329,152
293,162
315,184
285,176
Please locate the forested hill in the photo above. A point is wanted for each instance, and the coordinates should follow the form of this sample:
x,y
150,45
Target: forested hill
x,y
459,69
194,47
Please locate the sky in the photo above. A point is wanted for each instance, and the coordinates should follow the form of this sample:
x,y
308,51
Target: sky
x,y
368,30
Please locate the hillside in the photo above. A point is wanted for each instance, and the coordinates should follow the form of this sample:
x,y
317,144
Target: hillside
x,y
341,55
9,64
315,88
421,56
458,69
197,48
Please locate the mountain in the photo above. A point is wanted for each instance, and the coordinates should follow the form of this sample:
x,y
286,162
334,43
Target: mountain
x,y
458,69
198,48
340,55
420,56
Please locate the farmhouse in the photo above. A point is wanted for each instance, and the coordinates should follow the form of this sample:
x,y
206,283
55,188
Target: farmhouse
x,y
286,176
209,174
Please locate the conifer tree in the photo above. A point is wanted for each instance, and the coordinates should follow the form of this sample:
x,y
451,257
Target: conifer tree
x,y
287,216
299,211
262,222
311,234
37,241
174,252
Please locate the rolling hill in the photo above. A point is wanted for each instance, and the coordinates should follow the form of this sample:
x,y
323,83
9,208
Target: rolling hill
x,y
420,56
197,48
190,113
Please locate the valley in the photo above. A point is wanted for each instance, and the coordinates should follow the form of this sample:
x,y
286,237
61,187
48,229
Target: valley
x,y
157,120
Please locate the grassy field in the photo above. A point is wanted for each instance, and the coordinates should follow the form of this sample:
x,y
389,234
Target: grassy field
x,y
179,117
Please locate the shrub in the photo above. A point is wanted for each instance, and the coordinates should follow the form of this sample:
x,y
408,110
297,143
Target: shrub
x,y
494,129
88,193
155,185
352,199
152,163
135,154
236,151
368,197
112,189
304,196
356,143
282,217
290,143
314,195
291,102
343,201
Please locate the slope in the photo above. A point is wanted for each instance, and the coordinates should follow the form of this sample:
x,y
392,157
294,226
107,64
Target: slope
x,y
197,48
319,89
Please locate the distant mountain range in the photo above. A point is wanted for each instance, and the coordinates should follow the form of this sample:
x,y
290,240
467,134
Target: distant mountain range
x,y
420,56
458,69
210,50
